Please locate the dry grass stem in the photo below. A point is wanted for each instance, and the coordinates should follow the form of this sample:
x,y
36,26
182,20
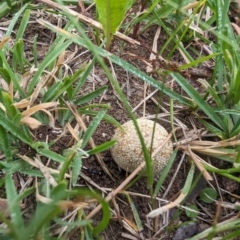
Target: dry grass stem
x,y
156,212
31,162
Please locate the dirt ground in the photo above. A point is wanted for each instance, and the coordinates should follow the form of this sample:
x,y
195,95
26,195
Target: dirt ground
x,y
134,90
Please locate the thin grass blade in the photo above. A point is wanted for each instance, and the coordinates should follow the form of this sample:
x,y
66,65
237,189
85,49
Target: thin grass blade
x,y
200,102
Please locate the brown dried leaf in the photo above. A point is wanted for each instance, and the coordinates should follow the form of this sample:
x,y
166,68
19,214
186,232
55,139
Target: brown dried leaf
x,y
39,107
3,42
22,104
31,122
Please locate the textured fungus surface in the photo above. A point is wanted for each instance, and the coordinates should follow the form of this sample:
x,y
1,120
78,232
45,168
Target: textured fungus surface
x,y
127,152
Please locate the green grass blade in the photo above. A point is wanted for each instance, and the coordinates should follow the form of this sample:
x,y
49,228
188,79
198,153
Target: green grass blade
x,y
70,155
200,102
57,89
103,147
14,130
10,6
96,52
189,179
16,215
220,6
83,79
49,154
236,129
5,75
212,92
135,213
51,211
89,97
76,168
77,223
196,62
11,231
5,144
11,111
92,127
4,9
106,117
22,195
220,227
47,60
86,193
23,25
125,65
18,54
51,93
213,129
14,78
232,235
165,172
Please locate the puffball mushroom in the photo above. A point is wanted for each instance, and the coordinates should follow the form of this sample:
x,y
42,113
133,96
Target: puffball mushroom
x,y
127,152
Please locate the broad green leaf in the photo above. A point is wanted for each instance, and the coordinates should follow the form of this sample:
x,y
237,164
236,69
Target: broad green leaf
x,y
111,14
194,213
208,195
